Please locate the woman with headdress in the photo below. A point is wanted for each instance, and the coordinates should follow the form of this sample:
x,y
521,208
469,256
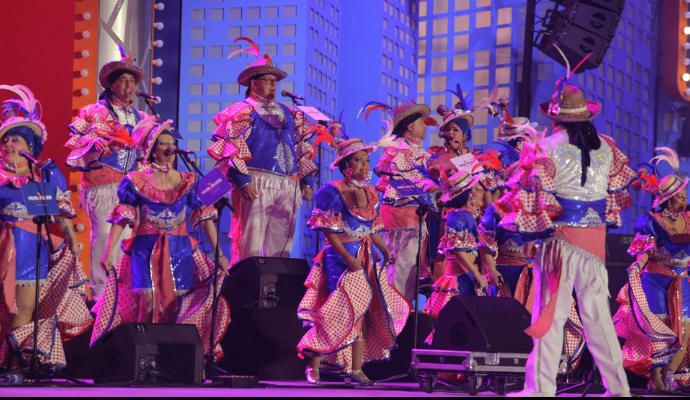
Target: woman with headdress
x,y
163,277
462,200
456,132
354,312
62,311
567,189
407,187
654,316
100,145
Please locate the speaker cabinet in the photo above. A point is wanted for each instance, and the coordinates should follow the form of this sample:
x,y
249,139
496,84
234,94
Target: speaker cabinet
x,y
149,353
262,338
483,324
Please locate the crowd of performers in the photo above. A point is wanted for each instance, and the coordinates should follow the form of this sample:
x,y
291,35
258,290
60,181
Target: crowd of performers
x,y
525,218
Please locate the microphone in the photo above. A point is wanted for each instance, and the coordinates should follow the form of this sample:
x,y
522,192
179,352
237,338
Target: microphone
x,y
28,156
293,96
149,98
184,151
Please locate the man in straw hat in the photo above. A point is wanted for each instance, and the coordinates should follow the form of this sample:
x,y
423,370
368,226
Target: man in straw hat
x,y
570,186
402,169
261,145
100,146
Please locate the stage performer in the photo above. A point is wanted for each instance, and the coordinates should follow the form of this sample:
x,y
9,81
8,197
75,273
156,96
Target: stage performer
x,y
272,168
62,311
163,277
461,199
654,316
407,190
100,146
355,313
569,187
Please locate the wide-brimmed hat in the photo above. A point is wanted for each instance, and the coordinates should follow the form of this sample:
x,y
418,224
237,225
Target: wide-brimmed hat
x,y
126,63
147,131
669,185
24,110
347,147
405,110
457,184
261,66
570,106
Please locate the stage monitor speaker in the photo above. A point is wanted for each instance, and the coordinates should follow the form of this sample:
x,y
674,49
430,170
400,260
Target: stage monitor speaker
x,y
149,353
617,262
266,283
483,324
264,293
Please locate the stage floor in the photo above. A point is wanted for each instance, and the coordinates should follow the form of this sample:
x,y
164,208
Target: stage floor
x,y
268,389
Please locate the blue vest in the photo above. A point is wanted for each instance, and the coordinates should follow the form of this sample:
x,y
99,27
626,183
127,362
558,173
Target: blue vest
x,y
124,160
272,144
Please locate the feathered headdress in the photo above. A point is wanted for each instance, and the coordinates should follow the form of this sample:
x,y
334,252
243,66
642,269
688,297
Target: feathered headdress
x,y
671,184
24,110
463,109
388,138
260,66
567,102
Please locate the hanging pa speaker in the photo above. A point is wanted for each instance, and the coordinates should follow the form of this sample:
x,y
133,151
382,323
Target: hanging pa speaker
x,y
580,27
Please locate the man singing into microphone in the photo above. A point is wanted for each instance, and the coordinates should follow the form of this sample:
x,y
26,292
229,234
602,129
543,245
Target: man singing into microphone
x,y
262,146
101,146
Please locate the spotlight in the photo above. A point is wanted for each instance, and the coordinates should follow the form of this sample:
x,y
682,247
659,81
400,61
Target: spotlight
x,y
157,62
159,6
82,73
157,80
686,30
81,92
157,43
686,46
686,77
159,26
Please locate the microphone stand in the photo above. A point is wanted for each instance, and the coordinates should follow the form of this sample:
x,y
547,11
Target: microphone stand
x,y
35,372
149,103
421,211
211,367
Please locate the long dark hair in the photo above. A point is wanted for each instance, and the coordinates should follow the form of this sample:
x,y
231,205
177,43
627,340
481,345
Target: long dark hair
x,y
584,136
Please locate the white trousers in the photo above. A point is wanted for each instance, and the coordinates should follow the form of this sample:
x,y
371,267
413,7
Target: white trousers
x,y
100,201
403,247
588,275
265,226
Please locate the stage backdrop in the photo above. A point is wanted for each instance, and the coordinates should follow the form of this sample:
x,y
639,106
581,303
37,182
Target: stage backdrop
x,y
38,51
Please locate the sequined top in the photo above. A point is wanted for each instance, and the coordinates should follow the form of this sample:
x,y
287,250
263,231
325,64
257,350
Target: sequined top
x,y
567,159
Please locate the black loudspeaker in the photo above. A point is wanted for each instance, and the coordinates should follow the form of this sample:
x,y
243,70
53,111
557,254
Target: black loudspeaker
x,y
581,27
617,262
149,353
264,293
483,324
